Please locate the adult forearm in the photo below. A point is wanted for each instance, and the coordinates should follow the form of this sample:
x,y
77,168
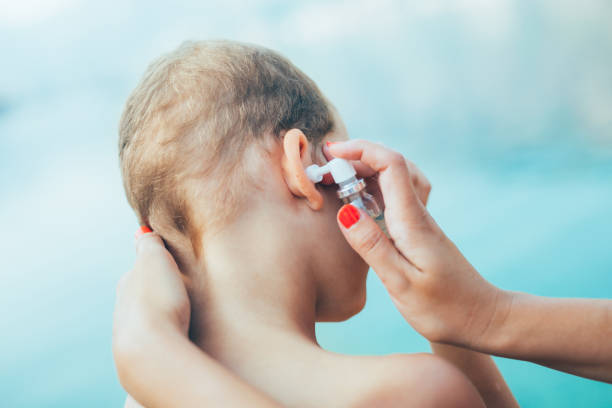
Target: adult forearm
x,y
571,335
173,372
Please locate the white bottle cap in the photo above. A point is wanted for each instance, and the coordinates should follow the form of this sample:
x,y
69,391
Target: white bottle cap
x,y
340,169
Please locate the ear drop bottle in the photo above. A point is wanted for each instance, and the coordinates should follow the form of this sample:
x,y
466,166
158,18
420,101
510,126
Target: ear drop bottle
x,y
351,190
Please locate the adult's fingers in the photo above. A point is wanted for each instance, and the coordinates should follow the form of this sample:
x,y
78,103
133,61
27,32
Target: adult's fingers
x,y
404,207
153,257
363,170
151,254
368,240
421,184
149,242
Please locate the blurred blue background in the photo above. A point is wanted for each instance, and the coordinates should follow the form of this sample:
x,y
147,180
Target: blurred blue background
x,y
506,106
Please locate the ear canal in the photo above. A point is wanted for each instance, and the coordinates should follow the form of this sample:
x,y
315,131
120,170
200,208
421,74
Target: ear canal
x,y
303,147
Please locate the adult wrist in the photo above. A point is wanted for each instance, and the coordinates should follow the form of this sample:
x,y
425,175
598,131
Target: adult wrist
x,y
498,332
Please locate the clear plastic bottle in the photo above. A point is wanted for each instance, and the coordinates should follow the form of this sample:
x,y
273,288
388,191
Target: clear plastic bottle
x,y
351,190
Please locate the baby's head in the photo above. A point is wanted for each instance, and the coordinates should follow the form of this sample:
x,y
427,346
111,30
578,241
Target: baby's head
x,y
218,131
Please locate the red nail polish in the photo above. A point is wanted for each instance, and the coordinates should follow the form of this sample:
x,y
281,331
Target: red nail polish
x,y
348,215
141,231
328,143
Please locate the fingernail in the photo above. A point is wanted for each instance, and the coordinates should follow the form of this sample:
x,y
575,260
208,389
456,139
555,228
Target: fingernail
x,y
348,215
141,231
328,143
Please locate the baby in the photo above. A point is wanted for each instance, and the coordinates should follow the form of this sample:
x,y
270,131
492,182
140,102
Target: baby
x,y
214,143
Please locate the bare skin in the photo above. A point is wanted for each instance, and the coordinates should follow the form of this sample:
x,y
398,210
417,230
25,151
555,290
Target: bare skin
x,y
155,360
160,367
478,367
446,300
260,288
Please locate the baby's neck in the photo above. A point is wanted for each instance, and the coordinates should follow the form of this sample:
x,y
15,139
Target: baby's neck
x,y
255,306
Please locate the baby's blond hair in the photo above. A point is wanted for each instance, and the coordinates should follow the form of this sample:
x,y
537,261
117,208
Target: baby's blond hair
x,y
192,116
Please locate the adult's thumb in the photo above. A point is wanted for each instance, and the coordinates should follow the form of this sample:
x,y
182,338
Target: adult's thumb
x,y
369,241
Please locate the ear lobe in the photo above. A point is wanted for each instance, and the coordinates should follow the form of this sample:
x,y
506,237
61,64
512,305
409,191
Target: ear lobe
x,y
295,159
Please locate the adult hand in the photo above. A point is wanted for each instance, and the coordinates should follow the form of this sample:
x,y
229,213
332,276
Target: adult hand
x,y
151,296
157,363
433,286
151,303
422,305
445,299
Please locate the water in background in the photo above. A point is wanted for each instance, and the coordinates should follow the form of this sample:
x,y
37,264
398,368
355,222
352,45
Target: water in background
x,y
506,106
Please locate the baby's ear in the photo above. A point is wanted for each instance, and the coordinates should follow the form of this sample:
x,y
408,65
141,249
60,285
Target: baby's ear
x,y
296,157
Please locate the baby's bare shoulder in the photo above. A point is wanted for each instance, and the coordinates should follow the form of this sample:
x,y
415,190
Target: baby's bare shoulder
x,y
410,380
